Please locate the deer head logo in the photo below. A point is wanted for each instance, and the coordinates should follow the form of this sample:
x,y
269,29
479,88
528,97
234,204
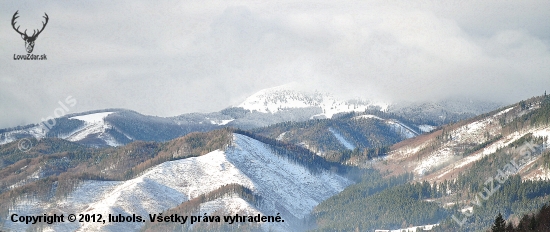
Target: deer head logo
x,y
29,40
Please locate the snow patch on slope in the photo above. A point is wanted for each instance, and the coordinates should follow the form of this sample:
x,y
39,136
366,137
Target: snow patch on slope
x,y
282,136
401,128
543,133
93,118
396,125
94,124
414,228
341,139
503,112
367,116
426,128
221,122
437,158
10,136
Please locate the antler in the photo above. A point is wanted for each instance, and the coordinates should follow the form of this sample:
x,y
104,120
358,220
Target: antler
x,y
35,33
13,24
43,26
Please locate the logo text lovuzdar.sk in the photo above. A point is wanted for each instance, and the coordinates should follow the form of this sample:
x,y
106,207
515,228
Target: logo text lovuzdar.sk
x,y
29,40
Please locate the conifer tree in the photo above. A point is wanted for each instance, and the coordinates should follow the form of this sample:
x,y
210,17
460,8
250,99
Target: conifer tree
x,y
500,224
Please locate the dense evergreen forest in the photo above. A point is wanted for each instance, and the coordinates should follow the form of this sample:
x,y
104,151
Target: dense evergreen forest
x,y
391,203
379,203
539,221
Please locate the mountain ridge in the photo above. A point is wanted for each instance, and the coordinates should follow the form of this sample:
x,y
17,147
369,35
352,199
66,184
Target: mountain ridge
x,y
264,108
469,171
244,161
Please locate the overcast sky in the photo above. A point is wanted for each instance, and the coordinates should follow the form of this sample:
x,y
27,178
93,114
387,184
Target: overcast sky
x,y
171,57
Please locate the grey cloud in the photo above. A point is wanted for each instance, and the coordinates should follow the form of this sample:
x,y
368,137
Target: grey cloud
x,y
171,57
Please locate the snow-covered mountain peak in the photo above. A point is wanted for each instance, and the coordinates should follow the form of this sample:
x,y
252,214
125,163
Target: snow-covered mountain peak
x,y
278,98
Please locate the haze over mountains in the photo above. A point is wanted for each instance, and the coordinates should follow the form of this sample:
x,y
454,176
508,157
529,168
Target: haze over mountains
x,y
113,127
307,157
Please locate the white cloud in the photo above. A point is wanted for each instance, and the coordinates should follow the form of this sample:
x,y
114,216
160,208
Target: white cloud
x,y
172,57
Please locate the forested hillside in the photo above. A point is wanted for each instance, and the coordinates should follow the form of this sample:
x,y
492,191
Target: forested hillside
x,y
458,176
505,171
378,202
347,138
59,166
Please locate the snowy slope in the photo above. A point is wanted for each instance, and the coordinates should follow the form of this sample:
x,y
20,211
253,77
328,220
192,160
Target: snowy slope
x,y
94,125
404,130
279,98
286,187
367,116
446,159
